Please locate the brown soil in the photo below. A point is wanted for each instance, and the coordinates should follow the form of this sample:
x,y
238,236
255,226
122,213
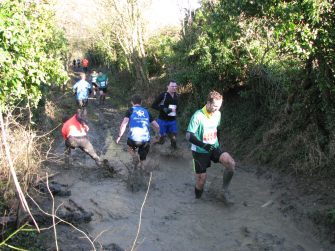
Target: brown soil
x,y
271,210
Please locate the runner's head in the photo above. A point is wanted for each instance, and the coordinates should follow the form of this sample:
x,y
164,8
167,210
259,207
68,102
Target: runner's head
x,y
94,71
100,73
136,99
172,86
82,75
214,102
65,118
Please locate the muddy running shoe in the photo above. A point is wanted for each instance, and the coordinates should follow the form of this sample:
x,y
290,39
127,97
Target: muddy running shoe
x,y
226,197
161,140
135,160
198,193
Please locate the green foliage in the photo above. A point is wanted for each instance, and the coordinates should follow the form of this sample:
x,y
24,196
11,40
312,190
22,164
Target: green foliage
x,y
30,49
330,215
274,62
25,238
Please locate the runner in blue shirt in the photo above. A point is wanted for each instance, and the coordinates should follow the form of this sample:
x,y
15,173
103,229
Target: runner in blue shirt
x,y
82,89
139,120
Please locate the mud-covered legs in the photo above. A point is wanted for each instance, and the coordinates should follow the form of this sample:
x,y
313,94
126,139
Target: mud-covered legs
x,y
82,112
199,187
135,158
94,91
84,144
161,140
102,97
67,156
173,137
226,160
228,173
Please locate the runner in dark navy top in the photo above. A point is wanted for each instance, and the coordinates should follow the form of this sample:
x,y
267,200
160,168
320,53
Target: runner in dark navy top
x,y
167,105
139,120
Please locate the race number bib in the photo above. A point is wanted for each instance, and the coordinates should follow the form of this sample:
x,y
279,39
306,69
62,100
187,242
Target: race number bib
x,y
102,84
209,136
173,108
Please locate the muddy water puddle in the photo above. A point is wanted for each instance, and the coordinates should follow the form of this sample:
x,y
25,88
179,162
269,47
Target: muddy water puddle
x,y
171,218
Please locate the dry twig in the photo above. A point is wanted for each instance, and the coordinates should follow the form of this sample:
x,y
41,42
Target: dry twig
x,y
17,185
139,225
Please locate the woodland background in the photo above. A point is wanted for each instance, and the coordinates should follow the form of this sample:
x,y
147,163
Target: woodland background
x,y
272,60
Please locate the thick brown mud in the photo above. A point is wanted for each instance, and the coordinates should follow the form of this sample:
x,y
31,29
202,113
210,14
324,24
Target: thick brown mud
x,y
171,219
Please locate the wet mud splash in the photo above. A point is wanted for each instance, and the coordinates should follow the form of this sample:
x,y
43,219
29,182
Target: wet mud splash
x,y
172,219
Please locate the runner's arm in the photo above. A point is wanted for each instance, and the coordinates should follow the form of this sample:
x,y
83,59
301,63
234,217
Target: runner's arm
x,y
82,122
193,139
155,104
155,124
122,129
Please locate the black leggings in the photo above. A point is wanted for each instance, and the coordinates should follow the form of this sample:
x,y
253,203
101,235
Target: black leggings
x,y
81,142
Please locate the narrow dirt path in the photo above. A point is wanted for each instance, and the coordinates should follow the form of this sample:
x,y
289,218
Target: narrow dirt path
x,y
171,219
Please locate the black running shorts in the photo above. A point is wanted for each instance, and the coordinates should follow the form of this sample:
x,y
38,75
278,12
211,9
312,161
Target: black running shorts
x,y
103,89
201,161
143,147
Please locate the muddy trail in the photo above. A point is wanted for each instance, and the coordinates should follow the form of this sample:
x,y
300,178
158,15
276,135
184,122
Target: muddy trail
x,y
171,219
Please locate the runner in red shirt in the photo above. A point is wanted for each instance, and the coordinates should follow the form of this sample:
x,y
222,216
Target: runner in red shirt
x,y
85,63
75,134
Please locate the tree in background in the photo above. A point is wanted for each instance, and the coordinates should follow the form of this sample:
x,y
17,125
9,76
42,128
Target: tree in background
x,y
125,24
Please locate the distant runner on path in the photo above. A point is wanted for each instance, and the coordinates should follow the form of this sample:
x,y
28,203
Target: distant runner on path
x,y
82,89
74,63
93,77
78,63
85,63
139,120
75,134
102,81
167,105
203,132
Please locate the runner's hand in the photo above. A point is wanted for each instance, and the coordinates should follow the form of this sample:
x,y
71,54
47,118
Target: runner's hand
x,y
117,141
209,147
167,110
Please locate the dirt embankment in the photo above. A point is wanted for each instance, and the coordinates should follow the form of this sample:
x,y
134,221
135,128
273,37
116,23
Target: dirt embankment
x,y
267,214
